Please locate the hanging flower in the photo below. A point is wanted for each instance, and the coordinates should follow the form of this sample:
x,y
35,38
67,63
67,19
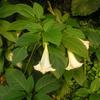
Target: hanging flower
x,y
86,43
73,63
44,65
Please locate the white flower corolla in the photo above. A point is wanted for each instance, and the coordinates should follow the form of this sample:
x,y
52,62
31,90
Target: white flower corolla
x,y
44,65
86,43
73,62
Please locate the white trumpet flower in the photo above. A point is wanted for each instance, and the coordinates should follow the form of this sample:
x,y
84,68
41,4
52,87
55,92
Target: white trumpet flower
x,y
73,63
86,43
44,65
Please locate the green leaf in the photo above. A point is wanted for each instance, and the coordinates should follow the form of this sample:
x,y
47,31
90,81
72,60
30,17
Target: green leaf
x,y
38,10
30,84
25,24
64,90
20,54
41,96
95,85
82,92
53,33
68,75
16,79
22,9
75,45
11,36
27,39
72,22
58,60
4,25
47,84
25,10
94,97
93,36
79,76
9,93
48,23
73,32
7,10
84,7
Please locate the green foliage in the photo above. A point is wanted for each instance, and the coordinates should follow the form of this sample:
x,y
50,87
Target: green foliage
x,y
22,46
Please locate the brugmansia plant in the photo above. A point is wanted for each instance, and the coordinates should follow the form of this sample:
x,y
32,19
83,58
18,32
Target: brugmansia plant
x,y
46,55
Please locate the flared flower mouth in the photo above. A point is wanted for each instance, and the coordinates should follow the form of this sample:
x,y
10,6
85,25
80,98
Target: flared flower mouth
x,y
73,62
86,43
44,65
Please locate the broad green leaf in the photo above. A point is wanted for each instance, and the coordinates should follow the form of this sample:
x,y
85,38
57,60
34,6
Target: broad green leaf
x,y
48,23
27,39
9,93
94,97
4,25
93,36
38,10
29,84
75,46
64,90
47,84
25,10
20,54
25,24
95,85
73,32
53,34
7,10
68,75
82,92
79,76
84,7
58,61
41,96
11,36
22,9
16,79
72,22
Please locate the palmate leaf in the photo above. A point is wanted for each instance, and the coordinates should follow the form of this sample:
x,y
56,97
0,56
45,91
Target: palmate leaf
x,y
47,84
84,7
22,9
